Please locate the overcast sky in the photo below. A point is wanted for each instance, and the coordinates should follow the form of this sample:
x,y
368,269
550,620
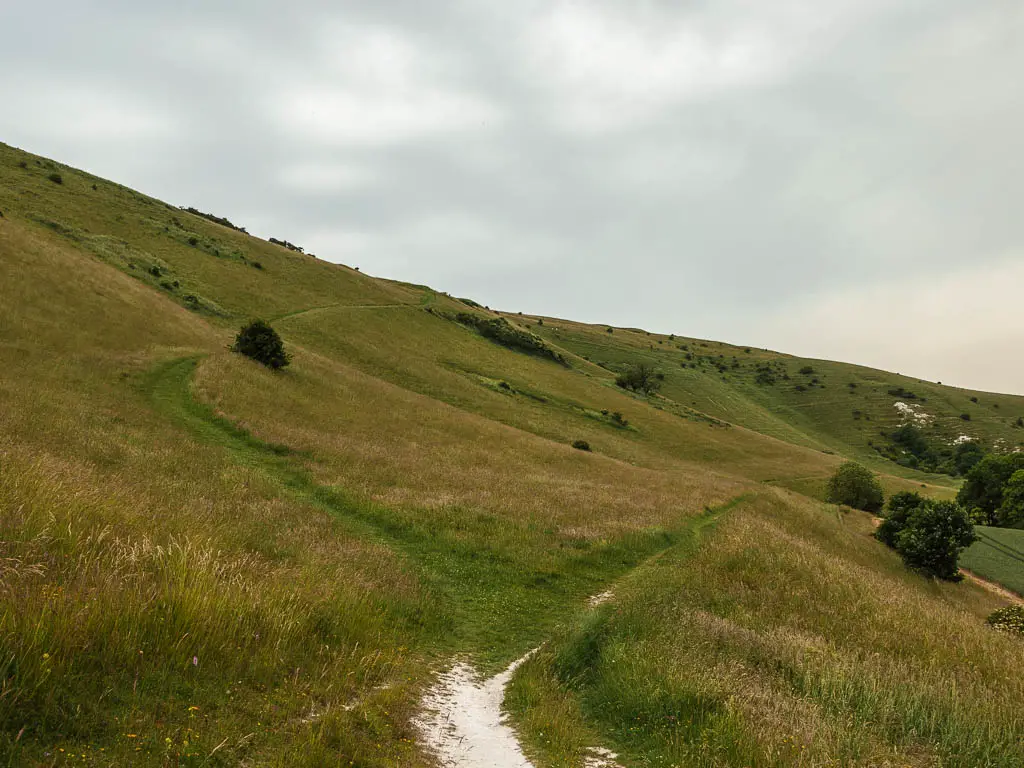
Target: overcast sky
x,y
835,178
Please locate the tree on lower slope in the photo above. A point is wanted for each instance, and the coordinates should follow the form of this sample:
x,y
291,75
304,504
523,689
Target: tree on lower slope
x,y
898,511
855,486
933,538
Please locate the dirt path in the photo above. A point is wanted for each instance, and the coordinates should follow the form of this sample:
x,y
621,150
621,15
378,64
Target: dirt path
x,y
992,587
463,723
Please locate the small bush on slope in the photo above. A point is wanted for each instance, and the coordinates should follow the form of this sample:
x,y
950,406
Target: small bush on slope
x,y
640,378
501,331
1008,619
263,344
855,486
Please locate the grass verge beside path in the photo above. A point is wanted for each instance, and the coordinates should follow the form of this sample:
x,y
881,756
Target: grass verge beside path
x,y
499,588
558,726
777,643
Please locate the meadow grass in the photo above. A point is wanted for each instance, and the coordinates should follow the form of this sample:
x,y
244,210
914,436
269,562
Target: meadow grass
x,y
789,637
206,563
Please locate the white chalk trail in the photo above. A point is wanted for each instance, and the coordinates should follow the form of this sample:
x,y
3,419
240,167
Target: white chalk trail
x,y
463,723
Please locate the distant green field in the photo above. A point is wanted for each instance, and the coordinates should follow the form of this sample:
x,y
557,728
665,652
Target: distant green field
x,y
998,556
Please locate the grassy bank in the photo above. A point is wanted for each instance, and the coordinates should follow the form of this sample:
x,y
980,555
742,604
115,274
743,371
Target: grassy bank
x,y
777,642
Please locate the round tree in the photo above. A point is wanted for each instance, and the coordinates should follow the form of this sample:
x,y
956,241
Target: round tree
x,y
933,538
261,342
855,486
898,512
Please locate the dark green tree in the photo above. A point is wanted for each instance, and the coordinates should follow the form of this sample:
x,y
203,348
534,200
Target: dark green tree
x,y
898,511
855,486
1011,512
933,538
262,343
966,456
983,488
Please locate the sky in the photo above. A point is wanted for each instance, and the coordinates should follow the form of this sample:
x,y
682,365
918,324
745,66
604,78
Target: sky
x,y
837,178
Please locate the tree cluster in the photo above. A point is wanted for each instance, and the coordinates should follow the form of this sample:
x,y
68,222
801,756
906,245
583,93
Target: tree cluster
x,y
993,492
929,534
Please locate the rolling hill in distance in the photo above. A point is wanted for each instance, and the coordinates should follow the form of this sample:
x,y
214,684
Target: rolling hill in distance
x,y
205,562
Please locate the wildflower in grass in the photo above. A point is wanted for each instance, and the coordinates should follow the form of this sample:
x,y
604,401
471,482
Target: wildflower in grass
x,y
195,661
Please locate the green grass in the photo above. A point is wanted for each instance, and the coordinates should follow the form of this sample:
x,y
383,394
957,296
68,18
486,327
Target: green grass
x,y
206,563
998,556
776,643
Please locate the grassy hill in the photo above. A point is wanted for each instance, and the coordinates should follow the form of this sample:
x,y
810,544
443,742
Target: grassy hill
x,y
206,563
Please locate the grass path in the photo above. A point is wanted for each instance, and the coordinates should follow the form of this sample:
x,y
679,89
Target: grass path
x,y
501,588
310,310
493,605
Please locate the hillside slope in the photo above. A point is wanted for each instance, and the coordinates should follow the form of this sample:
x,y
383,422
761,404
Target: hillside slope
x,y
204,562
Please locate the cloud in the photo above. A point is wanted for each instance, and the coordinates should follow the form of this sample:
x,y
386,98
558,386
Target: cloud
x,y
377,87
700,168
319,178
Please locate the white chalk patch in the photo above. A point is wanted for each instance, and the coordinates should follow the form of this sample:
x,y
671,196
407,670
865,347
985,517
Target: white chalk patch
x,y
600,599
600,757
913,414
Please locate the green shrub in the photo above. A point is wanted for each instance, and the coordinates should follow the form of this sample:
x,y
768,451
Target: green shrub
x,y
500,331
581,445
855,486
1008,619
619,420
906,394
933,538
56,178
807,370
898,511
260,342
640,377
